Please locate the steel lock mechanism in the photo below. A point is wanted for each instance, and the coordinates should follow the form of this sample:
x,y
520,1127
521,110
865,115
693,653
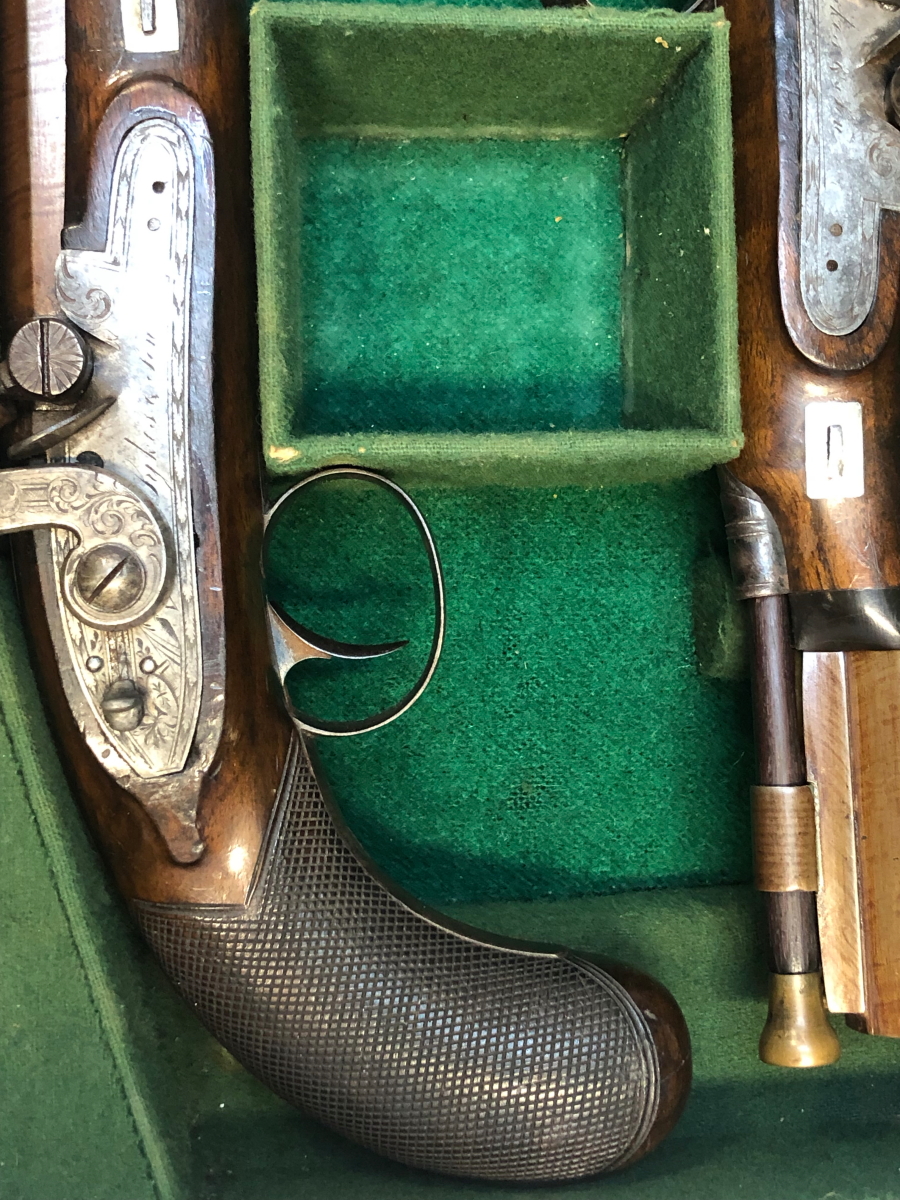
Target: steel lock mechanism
x,y
112,381
115,572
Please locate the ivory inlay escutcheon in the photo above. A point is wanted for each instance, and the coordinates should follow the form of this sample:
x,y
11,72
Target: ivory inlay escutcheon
x,y
150,26
835,468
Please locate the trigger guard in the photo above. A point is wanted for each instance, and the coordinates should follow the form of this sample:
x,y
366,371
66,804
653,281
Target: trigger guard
x,y
305,721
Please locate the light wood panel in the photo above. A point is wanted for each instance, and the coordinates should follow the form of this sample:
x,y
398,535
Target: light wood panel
x,y
874,712
827,735
851,712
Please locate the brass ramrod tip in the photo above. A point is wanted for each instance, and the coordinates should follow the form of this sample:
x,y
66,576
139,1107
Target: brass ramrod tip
x,y
798,1032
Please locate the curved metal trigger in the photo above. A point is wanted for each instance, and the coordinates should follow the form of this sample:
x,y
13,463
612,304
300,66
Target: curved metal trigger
x,y
293,643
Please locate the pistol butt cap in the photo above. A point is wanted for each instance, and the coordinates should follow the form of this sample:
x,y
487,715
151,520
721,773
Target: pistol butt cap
x,y
798,1032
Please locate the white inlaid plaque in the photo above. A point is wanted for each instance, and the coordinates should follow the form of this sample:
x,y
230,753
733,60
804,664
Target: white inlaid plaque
x,y
834,450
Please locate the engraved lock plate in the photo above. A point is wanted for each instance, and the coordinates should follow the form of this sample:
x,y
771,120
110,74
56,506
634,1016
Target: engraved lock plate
x,y
137,278
850,155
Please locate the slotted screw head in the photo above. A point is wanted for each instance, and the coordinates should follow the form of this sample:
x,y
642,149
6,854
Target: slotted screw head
x,y
48,358
110,578
123,705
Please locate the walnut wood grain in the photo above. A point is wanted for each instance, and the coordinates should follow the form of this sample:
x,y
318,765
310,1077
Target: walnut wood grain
x,y
32,145
240,788
673,1047
829,544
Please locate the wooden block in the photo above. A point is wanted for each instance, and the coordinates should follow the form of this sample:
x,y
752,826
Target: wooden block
x,y
827,738
874,695
851,712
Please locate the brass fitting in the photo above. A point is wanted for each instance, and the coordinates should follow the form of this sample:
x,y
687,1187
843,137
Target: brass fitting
x,y
798,1032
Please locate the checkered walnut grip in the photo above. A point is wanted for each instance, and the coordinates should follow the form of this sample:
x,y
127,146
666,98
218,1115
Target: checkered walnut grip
x,y
430,1047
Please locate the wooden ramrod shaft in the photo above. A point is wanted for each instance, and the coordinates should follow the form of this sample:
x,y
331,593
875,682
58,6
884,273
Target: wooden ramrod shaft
x,y
793,930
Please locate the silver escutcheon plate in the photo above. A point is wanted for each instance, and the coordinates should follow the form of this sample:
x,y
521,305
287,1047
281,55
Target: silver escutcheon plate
x,y
850,156
835,467
150,26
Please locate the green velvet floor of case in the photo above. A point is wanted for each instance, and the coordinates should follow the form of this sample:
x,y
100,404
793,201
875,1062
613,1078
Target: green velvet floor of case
x,y
568,743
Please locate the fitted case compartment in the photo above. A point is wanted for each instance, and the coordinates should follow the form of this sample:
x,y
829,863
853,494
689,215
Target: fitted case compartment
x,y
495,245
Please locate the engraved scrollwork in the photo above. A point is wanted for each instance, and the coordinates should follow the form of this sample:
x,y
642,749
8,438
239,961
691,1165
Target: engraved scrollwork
x,y
849,157
883,157
119,516
163,710
107,513
9,497
65,494
96,506
87,305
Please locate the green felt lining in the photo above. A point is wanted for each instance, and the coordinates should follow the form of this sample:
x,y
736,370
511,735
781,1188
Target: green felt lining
x,y
721,636
545,363
611,761
495,246
73,1086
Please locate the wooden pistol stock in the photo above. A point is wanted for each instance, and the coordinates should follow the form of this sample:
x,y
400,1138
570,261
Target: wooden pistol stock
x,y
128,391
812,504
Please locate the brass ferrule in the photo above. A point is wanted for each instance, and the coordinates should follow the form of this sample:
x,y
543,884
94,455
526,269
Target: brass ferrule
x,y
784,839
798,1032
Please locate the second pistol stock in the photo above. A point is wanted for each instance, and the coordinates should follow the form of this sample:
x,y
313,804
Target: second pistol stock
x,y
812,503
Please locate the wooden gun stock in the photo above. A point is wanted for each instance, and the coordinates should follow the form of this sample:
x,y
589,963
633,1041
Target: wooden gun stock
x,y
431,1043
813,502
